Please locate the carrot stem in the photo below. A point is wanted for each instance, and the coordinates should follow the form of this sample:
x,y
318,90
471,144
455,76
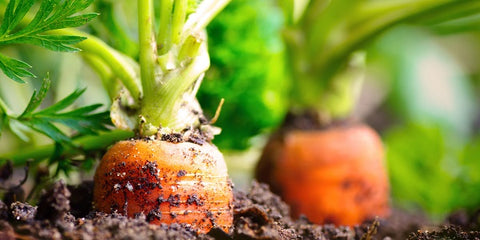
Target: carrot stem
x,y
88,143
164,39
179,15
125,68
148,48
205,12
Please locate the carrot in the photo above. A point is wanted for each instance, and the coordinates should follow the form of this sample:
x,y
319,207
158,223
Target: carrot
x,y
168,182
171,172
335,175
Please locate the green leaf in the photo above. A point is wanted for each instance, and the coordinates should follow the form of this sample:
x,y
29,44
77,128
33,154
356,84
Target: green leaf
x,y
82,111
37,98
58,43
15,69
81,120
44,126
84,120
62,104
15,12
74,21
16,28
19,129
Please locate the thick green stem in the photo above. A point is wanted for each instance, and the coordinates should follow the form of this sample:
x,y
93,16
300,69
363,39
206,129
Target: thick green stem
x,y
205,12
87,143
179,15
164,32
123,67
164,112
148,48
181,61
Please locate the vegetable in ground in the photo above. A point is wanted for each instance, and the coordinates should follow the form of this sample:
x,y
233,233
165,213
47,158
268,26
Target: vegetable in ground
x,y
171,173
327,65
341,180
157,102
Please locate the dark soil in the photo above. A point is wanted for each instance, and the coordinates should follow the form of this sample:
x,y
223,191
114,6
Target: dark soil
x,y
309,120
63,212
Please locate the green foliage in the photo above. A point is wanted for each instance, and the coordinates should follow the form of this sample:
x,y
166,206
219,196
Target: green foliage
x,y
51,15
428,85
113,25
469,180
321,42
82,119
247,70
430,154
431,168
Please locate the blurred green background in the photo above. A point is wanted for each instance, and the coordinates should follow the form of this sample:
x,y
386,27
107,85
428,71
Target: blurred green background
x,y
421,91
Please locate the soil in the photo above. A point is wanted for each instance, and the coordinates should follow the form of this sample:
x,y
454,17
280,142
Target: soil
x,y
64,212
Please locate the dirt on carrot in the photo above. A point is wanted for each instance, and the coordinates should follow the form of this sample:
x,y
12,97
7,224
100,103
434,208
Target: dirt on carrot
x,y
169,180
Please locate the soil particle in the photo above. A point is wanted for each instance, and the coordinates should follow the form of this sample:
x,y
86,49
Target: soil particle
x,y
154,215
401,223
152,168
81,199
194,199
465,220
13,187
258,214
6,231
3,211
54,203
309,120
172,137
446,232
193,135
174,200
181,173
22,212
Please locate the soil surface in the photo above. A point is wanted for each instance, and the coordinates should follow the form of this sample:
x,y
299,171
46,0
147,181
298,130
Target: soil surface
x,y
65,212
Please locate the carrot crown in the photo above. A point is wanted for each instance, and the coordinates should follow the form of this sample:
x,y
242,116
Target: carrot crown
x,y
173,61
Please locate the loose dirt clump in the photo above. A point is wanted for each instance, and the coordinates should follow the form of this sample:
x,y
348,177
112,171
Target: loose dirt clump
x,y
258,214
446,232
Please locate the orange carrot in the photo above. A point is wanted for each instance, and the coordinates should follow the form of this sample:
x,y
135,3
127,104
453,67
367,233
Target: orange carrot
x,y
168,182
335,175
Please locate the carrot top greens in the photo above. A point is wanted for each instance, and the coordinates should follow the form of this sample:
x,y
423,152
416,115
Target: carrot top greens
x,y
51,15
173,61
152,90
326,51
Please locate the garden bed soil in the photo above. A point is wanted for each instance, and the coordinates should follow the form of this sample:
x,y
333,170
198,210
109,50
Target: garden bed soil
x,y
65,212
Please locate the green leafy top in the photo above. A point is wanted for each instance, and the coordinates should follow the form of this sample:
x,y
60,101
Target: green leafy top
x,y
83,119
172,63
51,15
46,24
324,38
